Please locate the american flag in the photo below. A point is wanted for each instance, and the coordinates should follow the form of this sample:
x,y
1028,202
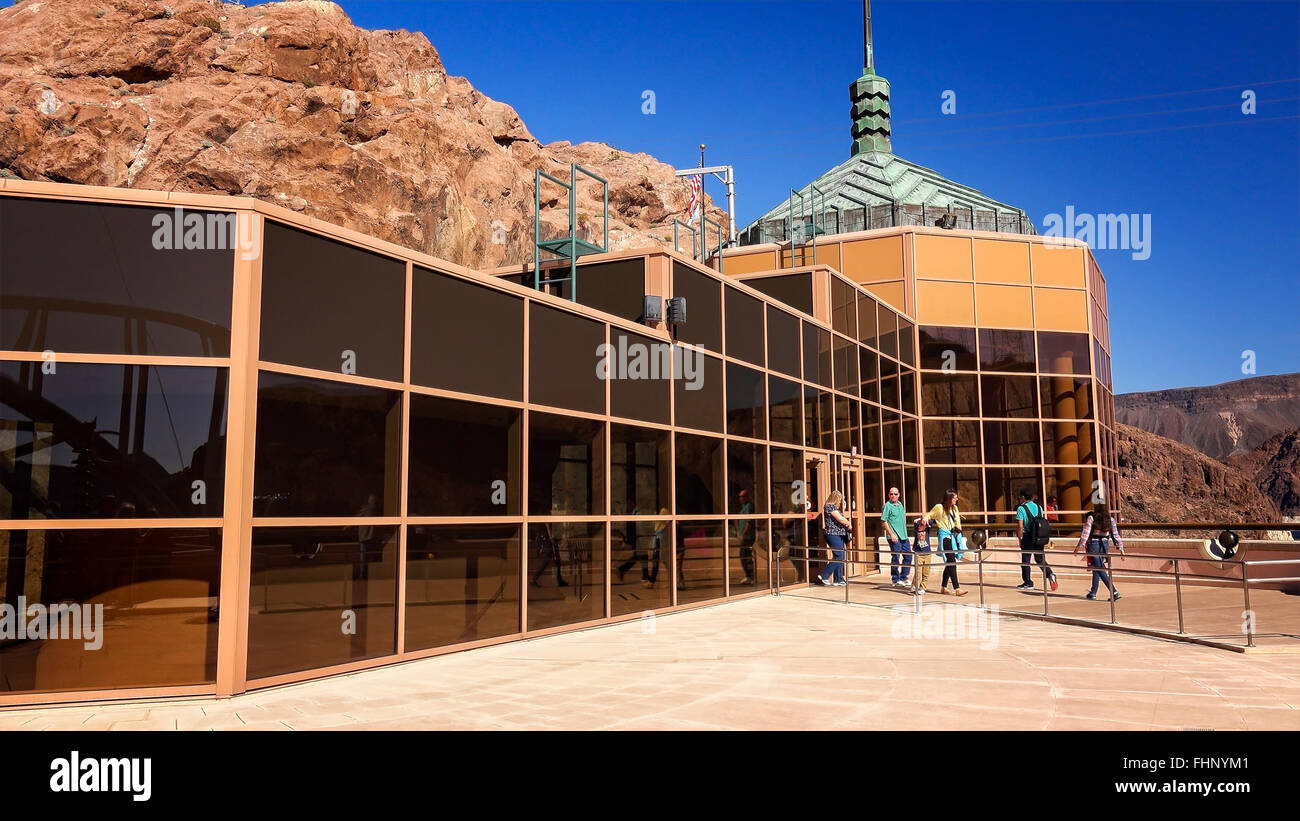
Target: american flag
x,y
695,205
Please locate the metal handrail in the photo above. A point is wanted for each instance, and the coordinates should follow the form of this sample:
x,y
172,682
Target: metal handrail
x,y
1179,574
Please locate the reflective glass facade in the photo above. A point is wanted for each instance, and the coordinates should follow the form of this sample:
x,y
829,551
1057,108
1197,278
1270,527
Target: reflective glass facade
x,y
335,453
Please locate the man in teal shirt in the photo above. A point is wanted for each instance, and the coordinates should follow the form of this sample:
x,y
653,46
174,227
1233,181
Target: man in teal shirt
x,y
895,522
1027,510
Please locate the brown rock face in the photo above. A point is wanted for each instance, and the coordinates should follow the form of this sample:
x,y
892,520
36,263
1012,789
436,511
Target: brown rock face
x,y
1166,481
1274,467
290,102
1218,420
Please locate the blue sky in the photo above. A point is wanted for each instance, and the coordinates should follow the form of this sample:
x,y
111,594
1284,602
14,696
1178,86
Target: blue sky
x,y
764,84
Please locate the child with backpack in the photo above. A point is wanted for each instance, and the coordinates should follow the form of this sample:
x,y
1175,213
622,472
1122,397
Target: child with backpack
x,y
1035,533
921,552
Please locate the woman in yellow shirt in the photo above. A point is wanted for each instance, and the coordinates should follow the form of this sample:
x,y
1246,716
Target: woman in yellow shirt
x,y
948,518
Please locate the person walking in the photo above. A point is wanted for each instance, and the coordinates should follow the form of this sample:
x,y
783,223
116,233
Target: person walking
x,y
895,522
948,517
1099,529
921,549
1028,514
836,529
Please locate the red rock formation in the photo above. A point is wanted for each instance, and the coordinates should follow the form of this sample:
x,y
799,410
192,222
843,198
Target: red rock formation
x,y
1166,481
291,103
1274,467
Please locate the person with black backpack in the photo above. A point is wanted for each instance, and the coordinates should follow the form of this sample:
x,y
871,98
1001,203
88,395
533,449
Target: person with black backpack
x,y
1035,533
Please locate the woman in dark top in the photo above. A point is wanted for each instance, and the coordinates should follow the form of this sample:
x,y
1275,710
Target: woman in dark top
x,y
1099,529
836,528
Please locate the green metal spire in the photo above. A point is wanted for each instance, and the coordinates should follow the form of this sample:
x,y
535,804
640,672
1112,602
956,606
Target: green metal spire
x,y
869,95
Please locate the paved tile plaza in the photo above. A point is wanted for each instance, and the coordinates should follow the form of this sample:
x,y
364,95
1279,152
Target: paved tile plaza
x,y
788,662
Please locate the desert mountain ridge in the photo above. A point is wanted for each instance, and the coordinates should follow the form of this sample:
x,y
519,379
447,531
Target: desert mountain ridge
x,y
291,103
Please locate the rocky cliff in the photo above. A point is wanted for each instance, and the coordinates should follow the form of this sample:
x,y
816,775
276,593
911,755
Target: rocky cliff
x,y
290,103
1274,467
1166,481
1217,420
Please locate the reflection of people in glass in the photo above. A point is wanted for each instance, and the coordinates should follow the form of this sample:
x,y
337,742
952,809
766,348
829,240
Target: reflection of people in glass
x,y
372,548
682,536
549,550
746,535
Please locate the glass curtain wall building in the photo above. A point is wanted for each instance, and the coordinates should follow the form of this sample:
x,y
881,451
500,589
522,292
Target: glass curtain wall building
x,y
254,448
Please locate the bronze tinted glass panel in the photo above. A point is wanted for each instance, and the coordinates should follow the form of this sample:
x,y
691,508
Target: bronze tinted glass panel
x,y
462,584
99,580
906,342
701,475
331,306
816,355
1002,486
321,596
1011,443
1009,396
788,493
466,337
701,551
746,477
954,442
873,488
846,366
891,436
562,360
616,287
1063,352
871,440
910,445
869,374
642,556
949,394
887,328
703,325
641,390
794,290
466,458
120,282
326,448
747,556
907,390
1006,350
912,500
1068,442
746,408
966,481
744,327
789,538
111,441
844,313
782,342
889,390
785,416
640,468
947,348
867,321
566,573
846,431
566,466
826,420
698,394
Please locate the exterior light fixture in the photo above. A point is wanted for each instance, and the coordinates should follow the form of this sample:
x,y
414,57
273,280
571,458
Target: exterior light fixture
x,y
677,310
654,309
